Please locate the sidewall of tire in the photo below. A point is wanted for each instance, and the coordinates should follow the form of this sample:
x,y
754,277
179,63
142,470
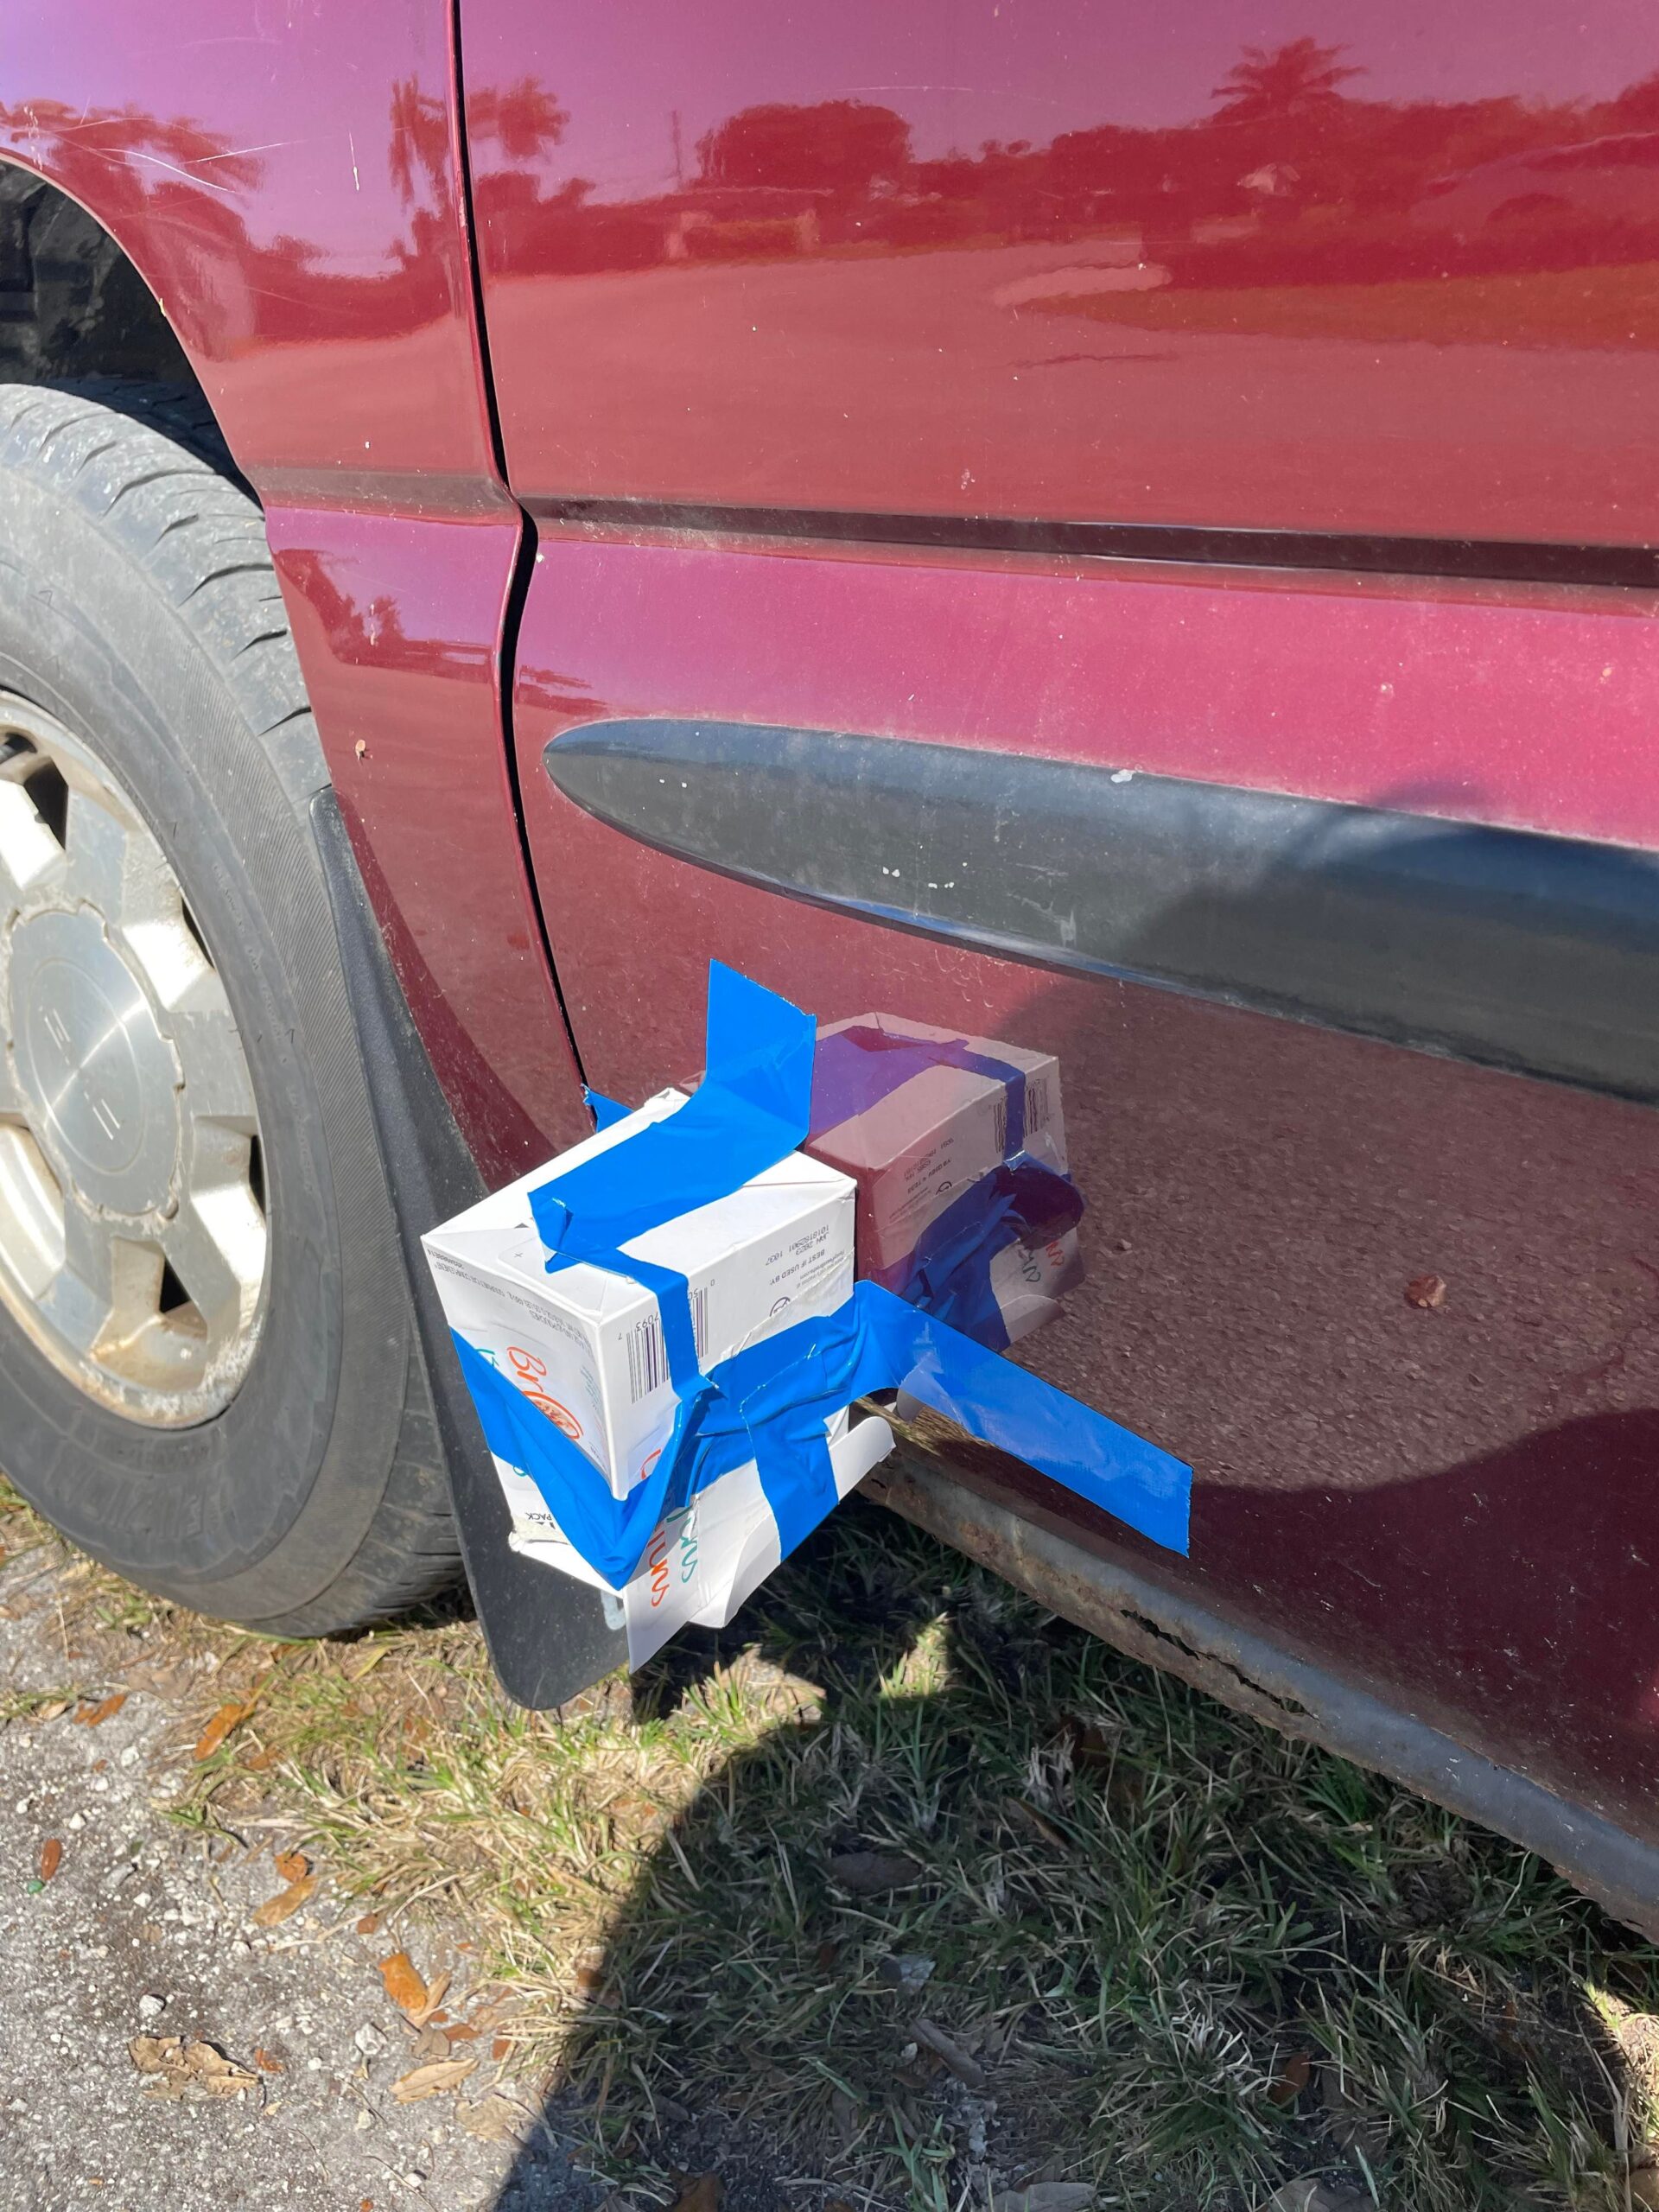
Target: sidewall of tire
x,y
254,1513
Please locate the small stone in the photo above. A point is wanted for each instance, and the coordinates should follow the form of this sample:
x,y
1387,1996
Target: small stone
x,y
150,2006
369,2040
129,1757
909,1971
363,2121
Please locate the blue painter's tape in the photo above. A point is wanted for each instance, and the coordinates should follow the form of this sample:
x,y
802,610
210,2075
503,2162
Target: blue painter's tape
x,y
1022,1202
604,1110
770,1402
750,1111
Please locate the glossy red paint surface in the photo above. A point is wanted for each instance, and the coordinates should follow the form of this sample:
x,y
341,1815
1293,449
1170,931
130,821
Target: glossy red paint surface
x,y
1351,269
286,183
1526,707
1455,1506
396,618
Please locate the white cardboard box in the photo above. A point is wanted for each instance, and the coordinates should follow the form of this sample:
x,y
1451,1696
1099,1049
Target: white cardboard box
x,y
586,1346
706,1558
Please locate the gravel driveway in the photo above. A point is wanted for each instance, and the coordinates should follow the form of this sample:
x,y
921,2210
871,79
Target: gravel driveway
x,y
144,1933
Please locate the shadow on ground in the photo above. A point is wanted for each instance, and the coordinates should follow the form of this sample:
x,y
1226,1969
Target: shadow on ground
x,y
989,1905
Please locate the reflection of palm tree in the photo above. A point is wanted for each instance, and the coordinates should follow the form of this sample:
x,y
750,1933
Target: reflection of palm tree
x,y
419,146
522,119
1282,84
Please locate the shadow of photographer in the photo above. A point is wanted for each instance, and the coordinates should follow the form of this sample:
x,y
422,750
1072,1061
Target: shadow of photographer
x,y
958,1899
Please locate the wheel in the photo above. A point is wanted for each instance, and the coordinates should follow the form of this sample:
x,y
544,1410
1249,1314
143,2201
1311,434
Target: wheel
x,y
210,1376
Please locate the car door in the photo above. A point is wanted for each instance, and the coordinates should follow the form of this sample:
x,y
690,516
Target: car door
x,y
1042,532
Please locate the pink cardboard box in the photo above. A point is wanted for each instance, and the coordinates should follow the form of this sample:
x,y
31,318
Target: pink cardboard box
x,y
916,1115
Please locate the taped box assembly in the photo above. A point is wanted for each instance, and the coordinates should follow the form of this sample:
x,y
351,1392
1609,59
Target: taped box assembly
x,y
585,1346
664,1334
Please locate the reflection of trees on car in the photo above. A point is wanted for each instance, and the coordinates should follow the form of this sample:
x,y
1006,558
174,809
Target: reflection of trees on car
x,y
844,147
1294,178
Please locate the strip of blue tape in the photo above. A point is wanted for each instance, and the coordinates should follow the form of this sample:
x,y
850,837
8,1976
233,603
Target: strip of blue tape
x,y
770,1402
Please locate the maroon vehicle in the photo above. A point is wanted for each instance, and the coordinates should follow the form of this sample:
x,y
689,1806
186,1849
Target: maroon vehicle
x,y
1129,534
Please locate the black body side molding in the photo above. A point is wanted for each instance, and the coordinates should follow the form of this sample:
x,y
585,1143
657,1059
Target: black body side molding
x,y
547,1635
1517,950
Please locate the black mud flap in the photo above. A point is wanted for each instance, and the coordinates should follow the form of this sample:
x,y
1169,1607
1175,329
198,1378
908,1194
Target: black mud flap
x,y
548,1636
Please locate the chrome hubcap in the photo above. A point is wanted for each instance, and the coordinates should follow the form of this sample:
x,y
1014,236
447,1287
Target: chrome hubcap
x,y
133,1238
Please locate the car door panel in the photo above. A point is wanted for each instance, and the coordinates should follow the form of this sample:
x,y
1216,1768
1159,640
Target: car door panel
x,y
1393,1307
1219,264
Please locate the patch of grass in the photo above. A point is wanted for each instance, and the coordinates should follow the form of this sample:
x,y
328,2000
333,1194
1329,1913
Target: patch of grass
x,y
1617,306
1172,1953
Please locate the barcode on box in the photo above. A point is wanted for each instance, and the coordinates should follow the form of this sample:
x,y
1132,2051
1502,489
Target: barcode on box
x,y
1036,1104
648,1354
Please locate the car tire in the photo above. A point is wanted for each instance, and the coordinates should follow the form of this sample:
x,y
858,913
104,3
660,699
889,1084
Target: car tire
x,y
142,634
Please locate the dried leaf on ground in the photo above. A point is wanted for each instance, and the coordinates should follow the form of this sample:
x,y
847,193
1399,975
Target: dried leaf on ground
x,y
1045,2196
292,1865
698,2193
265,2063
90,1715
369,1925
1292,2079
493,2120
287,1902
182,2066
967,2071
227,1717
437,1989
51,1857
403,1985
367,1664
866,1873
1427,1293
443,2074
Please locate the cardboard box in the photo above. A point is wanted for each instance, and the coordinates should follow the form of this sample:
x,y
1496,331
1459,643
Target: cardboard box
x,y
893,1107
586,1346
912,1127
1031,1281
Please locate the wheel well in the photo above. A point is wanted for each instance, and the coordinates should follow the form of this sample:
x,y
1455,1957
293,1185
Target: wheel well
x,y
73,306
